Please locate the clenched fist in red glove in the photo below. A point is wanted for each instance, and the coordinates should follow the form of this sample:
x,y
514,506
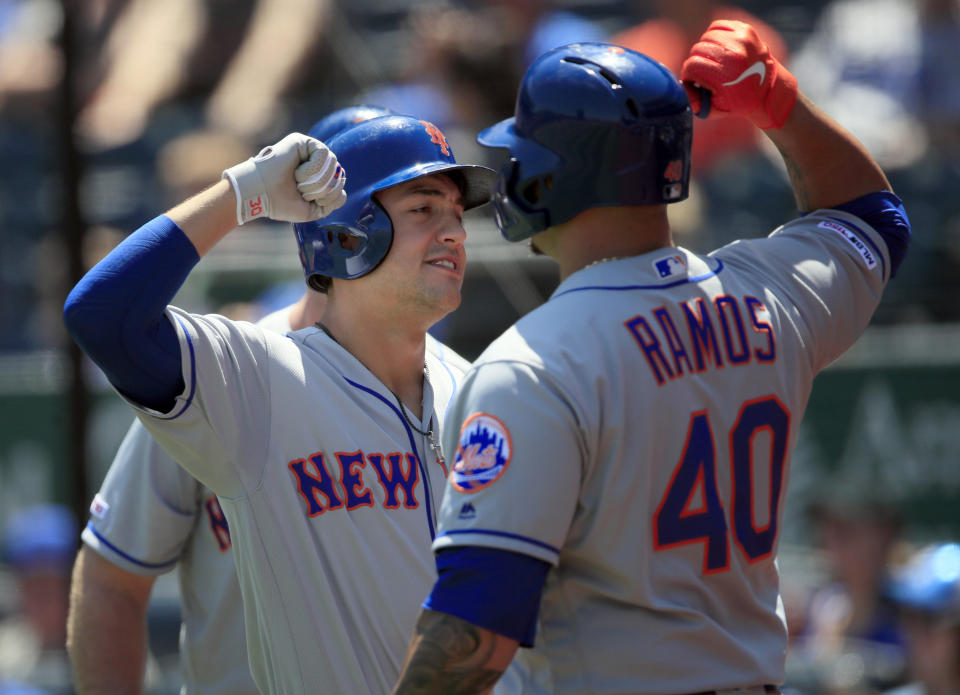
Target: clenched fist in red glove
x,y
735,66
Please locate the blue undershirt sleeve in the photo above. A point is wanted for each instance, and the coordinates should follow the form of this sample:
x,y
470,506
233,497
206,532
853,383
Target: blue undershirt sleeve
x,y
116,313
884,212
498,590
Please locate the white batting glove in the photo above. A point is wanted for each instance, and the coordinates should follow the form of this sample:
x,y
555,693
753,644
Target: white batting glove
x,y
296,180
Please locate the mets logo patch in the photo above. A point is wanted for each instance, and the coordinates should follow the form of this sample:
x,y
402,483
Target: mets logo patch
x,y
483,453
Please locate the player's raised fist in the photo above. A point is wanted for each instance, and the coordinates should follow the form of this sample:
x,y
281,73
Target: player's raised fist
x,y
296,180
320,179
735,66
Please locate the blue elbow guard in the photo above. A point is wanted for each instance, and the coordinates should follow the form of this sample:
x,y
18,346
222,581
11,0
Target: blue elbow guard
x,y
884,212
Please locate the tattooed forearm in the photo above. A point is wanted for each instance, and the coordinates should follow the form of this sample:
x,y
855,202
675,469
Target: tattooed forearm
x,y
451,656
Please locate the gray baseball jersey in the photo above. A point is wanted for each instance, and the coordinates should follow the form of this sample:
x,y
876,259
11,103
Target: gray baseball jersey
x,y
151,516
330,492
635,432
277,321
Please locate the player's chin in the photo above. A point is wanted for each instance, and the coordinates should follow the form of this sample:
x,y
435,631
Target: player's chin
x,y
446,299
453,299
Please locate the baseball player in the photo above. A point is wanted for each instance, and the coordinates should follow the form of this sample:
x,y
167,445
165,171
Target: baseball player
x,y
151,516
623,451
322,445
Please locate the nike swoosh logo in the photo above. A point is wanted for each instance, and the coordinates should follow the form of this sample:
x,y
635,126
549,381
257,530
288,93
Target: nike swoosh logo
x,y
758,68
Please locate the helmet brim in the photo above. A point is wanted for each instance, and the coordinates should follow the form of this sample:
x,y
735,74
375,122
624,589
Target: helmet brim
x,y
502,134
536,158
480,181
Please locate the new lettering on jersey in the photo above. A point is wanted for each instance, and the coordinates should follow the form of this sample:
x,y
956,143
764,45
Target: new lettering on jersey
x,y
347,489
483,453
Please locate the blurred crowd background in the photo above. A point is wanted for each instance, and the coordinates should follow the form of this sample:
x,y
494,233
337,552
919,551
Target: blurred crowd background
x,y
113,110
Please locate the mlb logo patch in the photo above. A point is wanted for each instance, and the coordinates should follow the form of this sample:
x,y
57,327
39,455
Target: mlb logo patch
x,y
99,507
483,453
672,191
671,265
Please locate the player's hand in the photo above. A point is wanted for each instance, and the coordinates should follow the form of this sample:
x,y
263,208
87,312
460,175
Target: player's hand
x,y
735,66
296,180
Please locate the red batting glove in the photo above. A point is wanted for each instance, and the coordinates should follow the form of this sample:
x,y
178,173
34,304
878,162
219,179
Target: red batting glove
x,y
735,66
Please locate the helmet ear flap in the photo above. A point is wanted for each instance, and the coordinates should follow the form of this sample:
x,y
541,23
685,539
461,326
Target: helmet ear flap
x,y
345,250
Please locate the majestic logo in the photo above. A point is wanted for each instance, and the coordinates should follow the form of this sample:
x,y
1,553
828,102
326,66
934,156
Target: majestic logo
x,y
467,511
436,137
483,453
671,265
758,68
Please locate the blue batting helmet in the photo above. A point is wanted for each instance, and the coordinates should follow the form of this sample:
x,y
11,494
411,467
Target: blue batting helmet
x,y
377,154
333,123
930,582
595,125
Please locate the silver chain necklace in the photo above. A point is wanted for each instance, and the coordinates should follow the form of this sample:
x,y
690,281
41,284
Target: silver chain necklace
x,y
429,432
